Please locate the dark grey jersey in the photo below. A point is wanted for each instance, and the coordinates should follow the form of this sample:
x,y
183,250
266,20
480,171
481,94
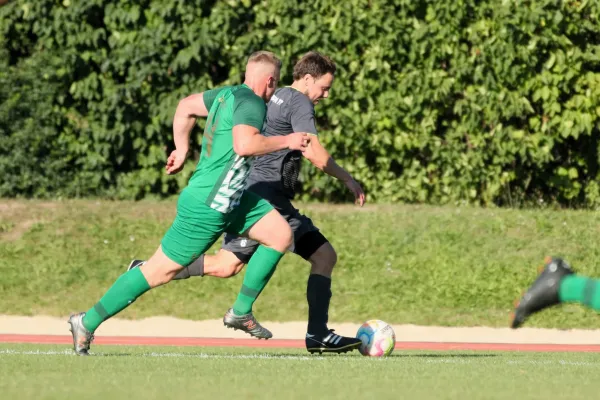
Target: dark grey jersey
x,y
276,174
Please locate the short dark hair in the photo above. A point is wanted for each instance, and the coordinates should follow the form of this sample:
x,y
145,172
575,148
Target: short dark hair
x,y
314,64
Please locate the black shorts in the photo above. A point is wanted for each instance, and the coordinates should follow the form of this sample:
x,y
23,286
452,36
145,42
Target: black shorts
x,y
307,238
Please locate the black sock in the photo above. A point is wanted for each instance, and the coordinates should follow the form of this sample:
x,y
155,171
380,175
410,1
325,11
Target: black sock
x,y
194,269
318,294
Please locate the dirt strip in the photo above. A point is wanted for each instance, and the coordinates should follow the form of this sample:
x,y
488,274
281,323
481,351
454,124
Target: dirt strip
x,y
176,328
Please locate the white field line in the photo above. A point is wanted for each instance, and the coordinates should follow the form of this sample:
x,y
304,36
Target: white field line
x,y
175,355
441,360
515,362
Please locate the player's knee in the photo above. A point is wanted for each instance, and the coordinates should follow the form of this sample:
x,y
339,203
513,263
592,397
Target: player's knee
x,y
328,259
227,272
238,267
323,260
281,236
273,231
286,236
332,258
157,275
159,269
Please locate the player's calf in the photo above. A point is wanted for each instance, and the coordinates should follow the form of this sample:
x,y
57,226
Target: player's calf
x,y
318,288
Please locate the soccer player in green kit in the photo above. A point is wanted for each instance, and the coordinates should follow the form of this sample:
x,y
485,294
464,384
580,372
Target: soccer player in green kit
x,y
214,202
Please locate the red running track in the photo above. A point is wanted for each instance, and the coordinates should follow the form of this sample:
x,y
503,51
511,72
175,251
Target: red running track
x,y
291,343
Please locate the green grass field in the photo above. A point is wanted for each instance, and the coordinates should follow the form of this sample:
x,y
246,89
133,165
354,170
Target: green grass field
x,y
53,372
404,264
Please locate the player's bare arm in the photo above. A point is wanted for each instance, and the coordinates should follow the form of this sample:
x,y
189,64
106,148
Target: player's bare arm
x,y
247,141
320,158
188,110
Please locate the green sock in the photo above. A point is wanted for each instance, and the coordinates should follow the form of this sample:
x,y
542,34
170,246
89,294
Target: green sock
x,y
260,269
121,294
580,289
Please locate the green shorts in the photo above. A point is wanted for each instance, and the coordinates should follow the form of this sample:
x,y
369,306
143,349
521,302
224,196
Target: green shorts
x,y
197,226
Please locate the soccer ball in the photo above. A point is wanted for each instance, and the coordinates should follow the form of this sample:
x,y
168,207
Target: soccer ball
x,y
378,338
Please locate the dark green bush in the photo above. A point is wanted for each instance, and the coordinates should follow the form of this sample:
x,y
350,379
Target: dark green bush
x,y
435,101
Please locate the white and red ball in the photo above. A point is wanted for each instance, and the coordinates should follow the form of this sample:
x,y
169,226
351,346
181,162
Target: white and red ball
x,y
378,338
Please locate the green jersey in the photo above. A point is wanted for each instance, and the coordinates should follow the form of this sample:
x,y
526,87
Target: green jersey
x,y
220,176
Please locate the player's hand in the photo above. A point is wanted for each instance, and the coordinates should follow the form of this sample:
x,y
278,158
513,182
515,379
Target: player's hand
x,y
357,190
298,141
175,161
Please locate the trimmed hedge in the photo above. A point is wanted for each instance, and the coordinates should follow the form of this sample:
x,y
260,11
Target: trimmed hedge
x,y
482,102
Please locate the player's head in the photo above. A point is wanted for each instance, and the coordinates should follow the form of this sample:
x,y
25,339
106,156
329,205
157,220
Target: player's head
x,y
313,75
262,73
